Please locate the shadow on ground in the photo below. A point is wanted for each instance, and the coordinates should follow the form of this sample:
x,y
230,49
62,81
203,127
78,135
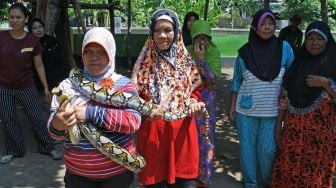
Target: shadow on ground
x,y
227,169
34,169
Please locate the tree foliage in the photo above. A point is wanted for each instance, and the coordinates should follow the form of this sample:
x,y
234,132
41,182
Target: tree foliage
x,y
143,9
332,9
308,9
3,9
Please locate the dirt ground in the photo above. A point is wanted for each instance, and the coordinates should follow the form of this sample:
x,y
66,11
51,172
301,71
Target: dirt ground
x,y
40,171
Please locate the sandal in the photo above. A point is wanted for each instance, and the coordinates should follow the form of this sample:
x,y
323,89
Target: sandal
x,y
6,159
55,155
57,142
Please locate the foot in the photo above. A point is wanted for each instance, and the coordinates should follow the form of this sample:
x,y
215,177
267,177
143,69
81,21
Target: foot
x,y
6,159
56,155
57,142
200,184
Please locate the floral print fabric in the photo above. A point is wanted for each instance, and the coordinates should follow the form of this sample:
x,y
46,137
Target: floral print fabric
x,y
163,82
306,155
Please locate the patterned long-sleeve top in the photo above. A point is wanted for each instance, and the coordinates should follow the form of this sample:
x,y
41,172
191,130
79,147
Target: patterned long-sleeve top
x,y
116,123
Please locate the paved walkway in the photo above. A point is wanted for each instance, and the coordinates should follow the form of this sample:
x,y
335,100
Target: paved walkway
x,y
40,171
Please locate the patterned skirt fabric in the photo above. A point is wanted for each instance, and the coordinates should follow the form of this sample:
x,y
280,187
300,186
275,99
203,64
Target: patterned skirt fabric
x,y
206,139
306,156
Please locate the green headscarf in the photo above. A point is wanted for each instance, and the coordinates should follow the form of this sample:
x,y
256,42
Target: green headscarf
x,y
212,54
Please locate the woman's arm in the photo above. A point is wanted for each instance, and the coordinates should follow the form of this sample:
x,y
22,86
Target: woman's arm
x,y
232,105
283,106
116,120
320,81
329,90
41,73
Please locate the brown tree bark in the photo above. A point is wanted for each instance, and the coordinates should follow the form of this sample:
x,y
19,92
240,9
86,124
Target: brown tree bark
x,y
324,10
52,15
57,13
41,9
62,32
78,14
266,3
206,9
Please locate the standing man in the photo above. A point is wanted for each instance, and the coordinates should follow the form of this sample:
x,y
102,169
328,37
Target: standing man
x,y
292,33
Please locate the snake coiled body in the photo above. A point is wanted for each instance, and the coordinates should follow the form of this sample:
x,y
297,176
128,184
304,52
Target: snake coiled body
x,y
109,96
122,156
112,97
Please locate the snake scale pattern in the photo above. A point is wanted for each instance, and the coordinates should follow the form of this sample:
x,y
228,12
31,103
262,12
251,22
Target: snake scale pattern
x,y
95,92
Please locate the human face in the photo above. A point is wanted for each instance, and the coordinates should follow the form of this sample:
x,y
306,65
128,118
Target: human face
x,y
315,43
38,29
202,40
190,21
95,58
163,34
17,19
267,28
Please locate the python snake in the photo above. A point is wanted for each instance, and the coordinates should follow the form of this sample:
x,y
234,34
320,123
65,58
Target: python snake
x,y
109,96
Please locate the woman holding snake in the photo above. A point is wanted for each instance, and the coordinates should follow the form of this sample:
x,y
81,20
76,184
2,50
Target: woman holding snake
x,y
166,75
85,165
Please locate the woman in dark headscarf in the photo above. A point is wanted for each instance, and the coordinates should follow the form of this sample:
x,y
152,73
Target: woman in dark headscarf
x,y
188,20
307,143
255,88
166,75
52,58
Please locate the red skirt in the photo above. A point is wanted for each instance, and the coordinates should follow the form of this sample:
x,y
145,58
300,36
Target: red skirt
x,y
170,149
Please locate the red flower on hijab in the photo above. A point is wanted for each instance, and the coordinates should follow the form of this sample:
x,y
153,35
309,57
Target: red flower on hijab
x,y
107,83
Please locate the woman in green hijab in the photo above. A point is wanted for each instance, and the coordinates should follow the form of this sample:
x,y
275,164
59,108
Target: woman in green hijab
x,y
207,58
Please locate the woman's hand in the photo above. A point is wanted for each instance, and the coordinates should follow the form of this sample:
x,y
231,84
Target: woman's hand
x,y
232,112
80,112
278,130
47,94
64,119
317,81
157,113
232,106
199,50
196,109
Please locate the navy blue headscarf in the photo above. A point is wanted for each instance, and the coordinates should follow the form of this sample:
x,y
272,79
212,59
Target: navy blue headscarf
x,y
262,57
324,64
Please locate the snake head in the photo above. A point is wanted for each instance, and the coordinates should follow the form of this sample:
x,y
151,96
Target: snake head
x,y
62,97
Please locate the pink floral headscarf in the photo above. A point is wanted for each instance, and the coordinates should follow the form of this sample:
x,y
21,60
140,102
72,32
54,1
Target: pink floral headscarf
x,y
166,81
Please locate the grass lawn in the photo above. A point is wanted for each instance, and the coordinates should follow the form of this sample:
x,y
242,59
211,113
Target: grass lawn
x,y
229,44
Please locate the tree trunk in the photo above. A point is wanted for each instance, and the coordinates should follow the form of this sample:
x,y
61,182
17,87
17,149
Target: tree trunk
x,y
54,10
206,9
266,4
63,34
111,13
52,15
79,16
41,9
324,10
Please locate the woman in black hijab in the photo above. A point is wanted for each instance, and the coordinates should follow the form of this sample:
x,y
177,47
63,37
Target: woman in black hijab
x,y
188,19
257,79
307,143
